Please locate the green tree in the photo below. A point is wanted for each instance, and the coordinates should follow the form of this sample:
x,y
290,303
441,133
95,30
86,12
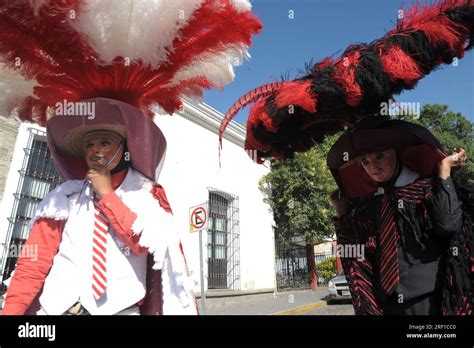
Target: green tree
x,y
297,191
452,130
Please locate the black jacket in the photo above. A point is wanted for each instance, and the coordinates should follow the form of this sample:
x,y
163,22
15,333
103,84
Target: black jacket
x,y
421,267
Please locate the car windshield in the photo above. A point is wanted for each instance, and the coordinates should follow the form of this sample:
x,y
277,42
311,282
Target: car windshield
x,y
341,272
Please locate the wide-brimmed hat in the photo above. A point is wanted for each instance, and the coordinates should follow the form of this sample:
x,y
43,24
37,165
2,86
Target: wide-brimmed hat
x,y
74,142
416,147
145,141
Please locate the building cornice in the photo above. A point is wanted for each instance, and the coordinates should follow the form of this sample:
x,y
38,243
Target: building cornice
x,y
209,118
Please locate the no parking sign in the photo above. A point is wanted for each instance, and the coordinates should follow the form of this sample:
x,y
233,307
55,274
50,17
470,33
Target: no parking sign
x,y
198,218
198,221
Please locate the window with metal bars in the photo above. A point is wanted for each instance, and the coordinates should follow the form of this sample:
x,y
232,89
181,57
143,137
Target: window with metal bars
x,y
38,177
223,241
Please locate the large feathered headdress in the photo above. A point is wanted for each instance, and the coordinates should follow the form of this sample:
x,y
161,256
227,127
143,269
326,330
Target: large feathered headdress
x,y
146,53
293,116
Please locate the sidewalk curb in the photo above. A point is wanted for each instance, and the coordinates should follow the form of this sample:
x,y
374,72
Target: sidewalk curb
x,y
302,309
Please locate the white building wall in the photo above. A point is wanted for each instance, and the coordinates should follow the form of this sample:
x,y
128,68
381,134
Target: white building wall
x,y
192,165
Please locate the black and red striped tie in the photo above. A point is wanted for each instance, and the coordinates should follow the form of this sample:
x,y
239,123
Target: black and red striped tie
x,y
389,268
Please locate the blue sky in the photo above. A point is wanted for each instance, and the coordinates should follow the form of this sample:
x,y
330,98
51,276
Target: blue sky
x,y
321,28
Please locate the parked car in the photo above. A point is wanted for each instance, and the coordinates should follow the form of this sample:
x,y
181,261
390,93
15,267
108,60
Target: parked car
x,y
338,287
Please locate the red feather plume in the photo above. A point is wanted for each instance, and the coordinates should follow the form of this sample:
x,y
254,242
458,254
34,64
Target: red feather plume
x,y
61,60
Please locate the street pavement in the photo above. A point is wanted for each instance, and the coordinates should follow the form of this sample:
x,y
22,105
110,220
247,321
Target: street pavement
x,y
333,308
300,302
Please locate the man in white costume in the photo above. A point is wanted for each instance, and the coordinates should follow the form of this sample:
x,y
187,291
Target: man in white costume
x,y
106,239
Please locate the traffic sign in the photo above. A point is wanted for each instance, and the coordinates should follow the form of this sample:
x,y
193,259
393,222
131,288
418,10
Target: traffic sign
x,y
198,221
198,218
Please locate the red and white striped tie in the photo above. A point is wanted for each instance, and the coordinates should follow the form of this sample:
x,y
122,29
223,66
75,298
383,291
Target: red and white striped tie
x,y
99,250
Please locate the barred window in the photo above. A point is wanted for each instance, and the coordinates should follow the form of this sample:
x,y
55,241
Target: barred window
x,y
38,177
223,250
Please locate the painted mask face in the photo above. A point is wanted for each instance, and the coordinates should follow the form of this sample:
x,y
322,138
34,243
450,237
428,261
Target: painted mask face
x,y
103,151
380,166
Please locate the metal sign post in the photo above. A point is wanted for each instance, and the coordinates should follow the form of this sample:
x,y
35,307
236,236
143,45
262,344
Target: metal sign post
x,y
201,262
198,222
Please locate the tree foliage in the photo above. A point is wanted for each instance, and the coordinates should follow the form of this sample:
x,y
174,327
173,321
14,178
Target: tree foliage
x,y
327,269
452,130
297,191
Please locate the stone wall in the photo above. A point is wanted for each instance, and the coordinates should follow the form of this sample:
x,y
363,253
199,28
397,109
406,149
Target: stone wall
x,y
8,134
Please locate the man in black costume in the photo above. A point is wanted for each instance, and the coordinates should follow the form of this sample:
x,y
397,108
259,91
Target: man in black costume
x,y
418,237
398,200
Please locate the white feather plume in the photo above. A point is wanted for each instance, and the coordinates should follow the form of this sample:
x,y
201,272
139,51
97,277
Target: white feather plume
x,y
137,29
217,68
242,5
13,89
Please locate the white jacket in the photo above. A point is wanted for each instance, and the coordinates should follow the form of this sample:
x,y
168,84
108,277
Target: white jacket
x,y
70,276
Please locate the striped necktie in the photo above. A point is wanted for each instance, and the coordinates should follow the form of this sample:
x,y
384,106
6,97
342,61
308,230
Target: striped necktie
x,y
389,267
99,251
